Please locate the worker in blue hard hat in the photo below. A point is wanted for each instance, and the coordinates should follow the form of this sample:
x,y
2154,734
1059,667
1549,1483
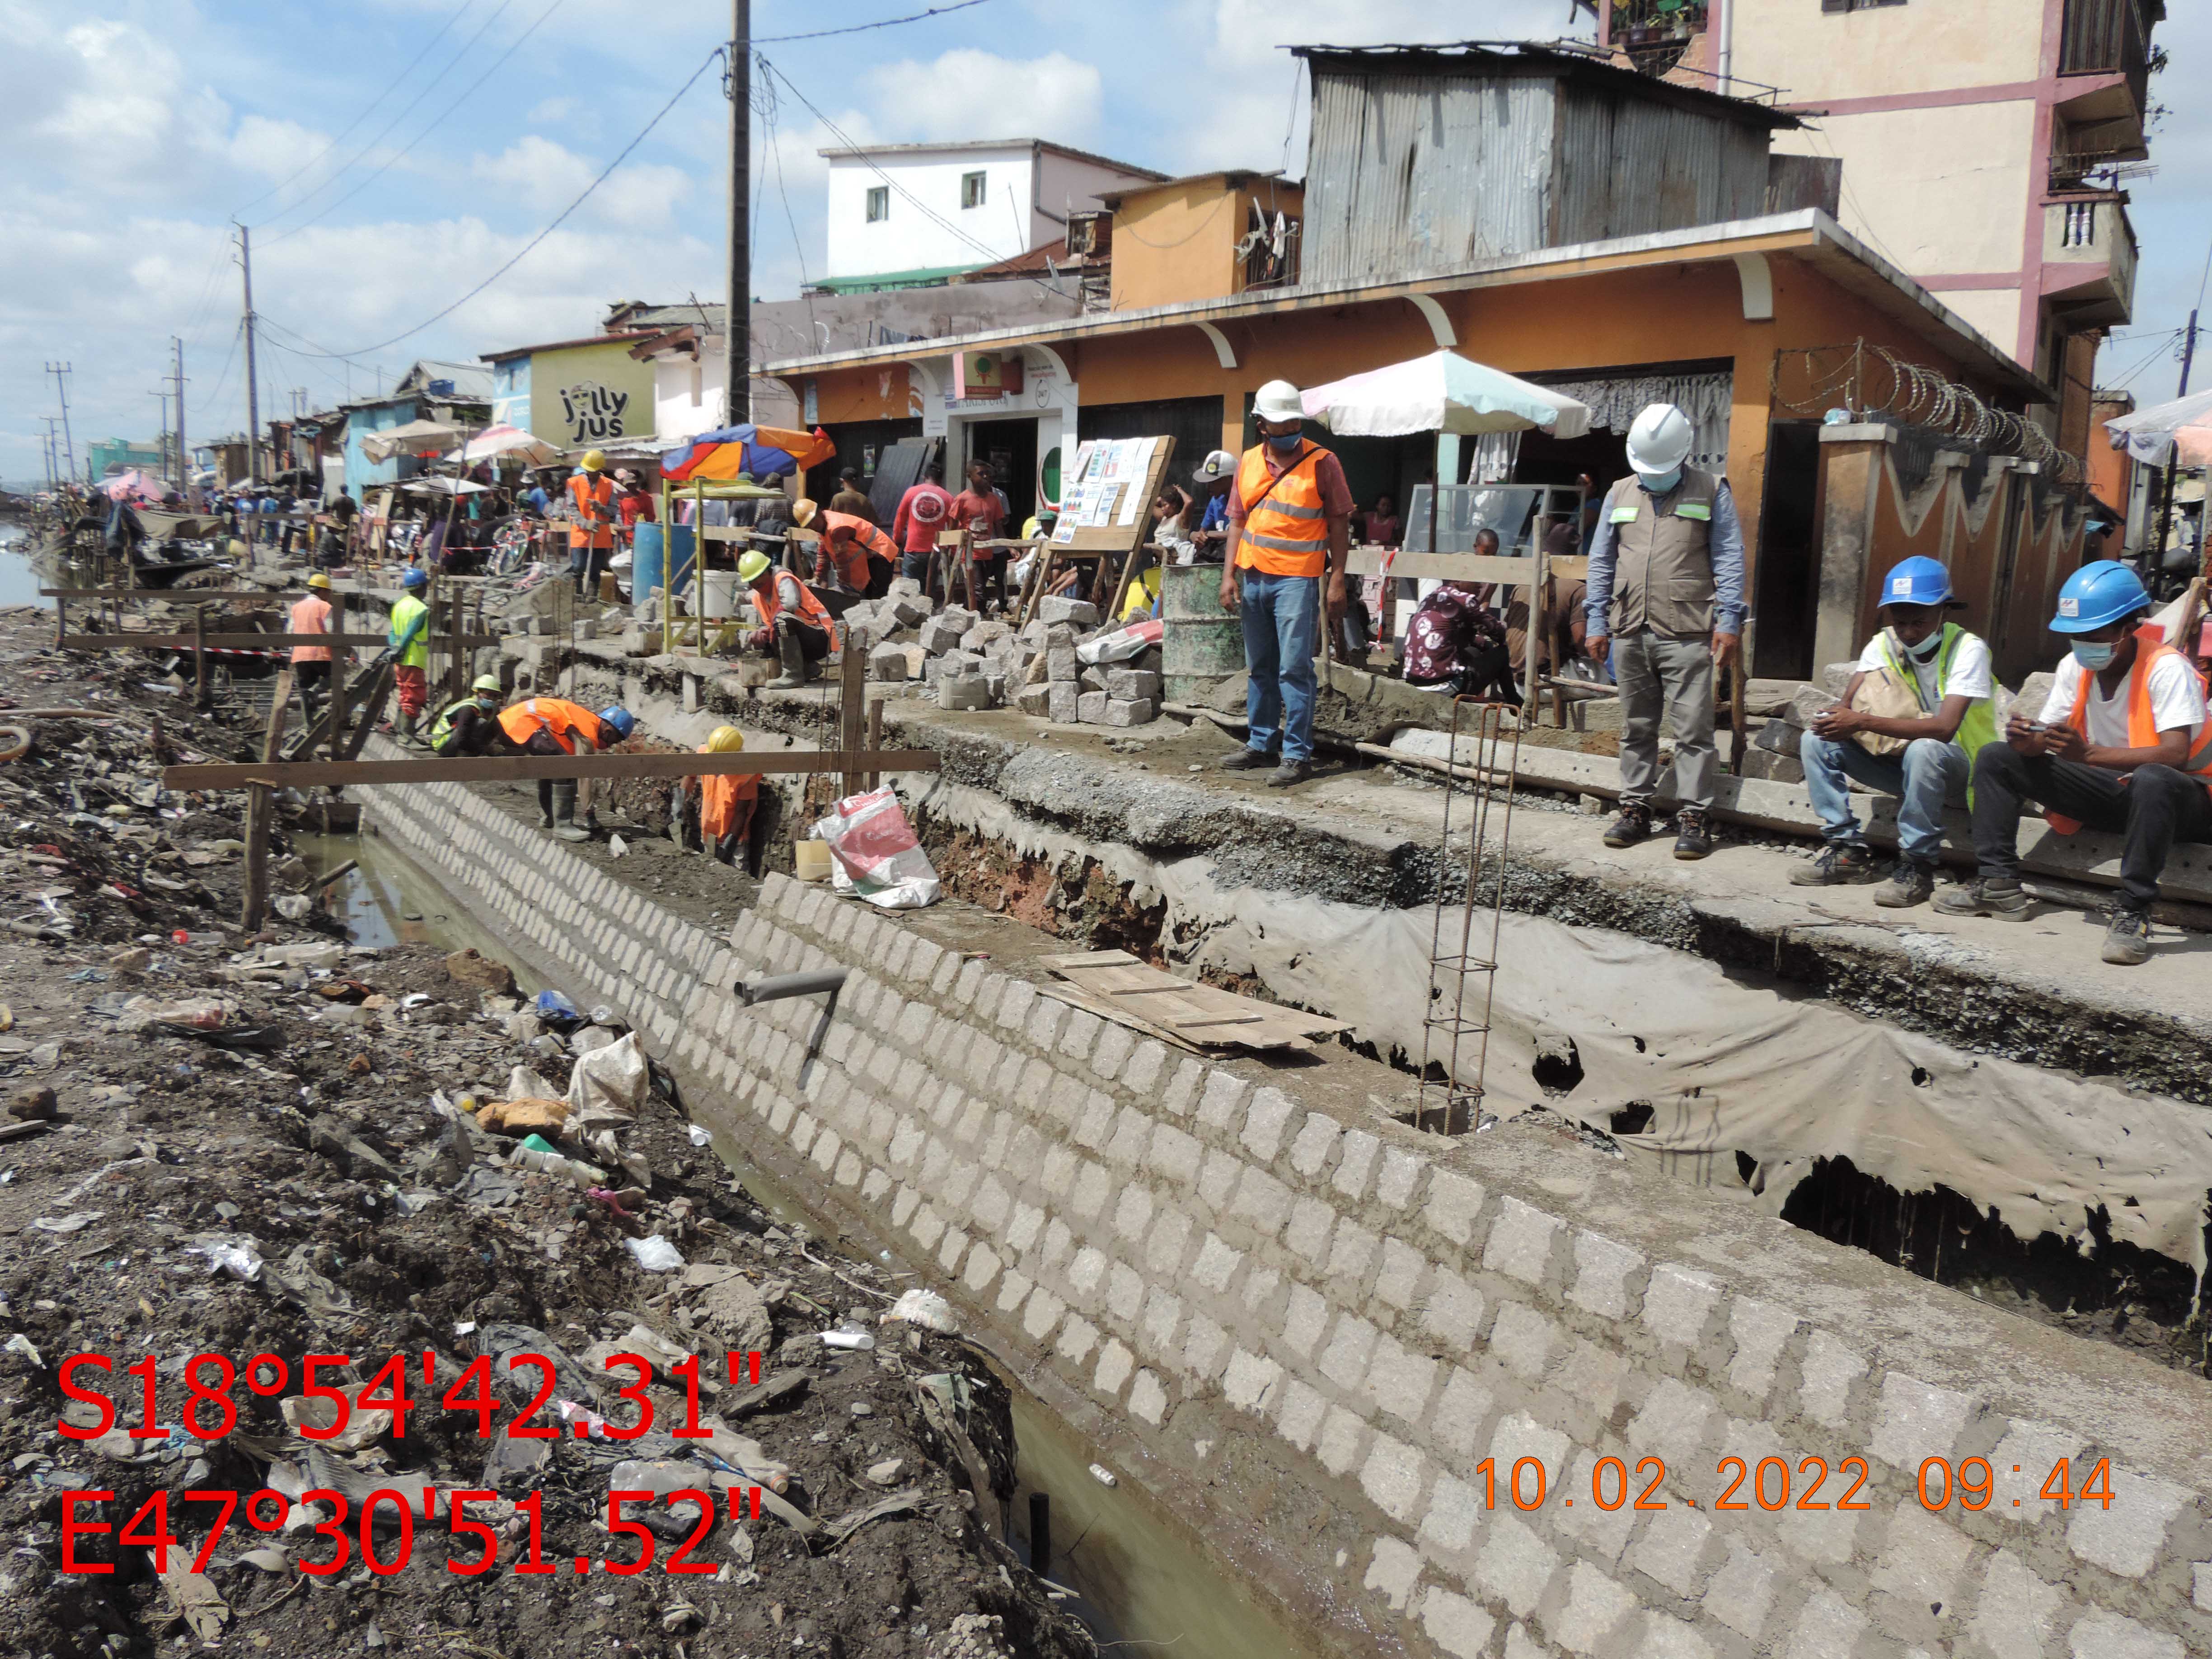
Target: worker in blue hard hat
x,y
2122,744
553,726
1909,724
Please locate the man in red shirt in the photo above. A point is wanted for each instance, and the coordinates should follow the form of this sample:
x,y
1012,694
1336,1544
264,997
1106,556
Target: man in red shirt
x,y
633,501
981,512
922,512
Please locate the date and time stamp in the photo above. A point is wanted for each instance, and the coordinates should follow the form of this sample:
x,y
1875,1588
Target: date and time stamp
x,y
210,1411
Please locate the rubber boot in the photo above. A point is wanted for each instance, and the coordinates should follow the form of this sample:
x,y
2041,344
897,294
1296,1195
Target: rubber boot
x,y
794,661
402,724
564,810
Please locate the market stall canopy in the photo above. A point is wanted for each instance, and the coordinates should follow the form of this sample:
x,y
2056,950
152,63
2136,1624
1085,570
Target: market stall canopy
x,y
497,442
416,438
2177,433
124,485
446,487
1443,392
765,452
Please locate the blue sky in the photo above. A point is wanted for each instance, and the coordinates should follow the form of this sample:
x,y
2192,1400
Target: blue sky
x,y
391,155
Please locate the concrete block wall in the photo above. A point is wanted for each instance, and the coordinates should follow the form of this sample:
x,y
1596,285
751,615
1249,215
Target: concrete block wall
x,y
1389,1323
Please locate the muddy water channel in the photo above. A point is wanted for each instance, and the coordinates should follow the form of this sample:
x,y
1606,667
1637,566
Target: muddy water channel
x,y
1138,1578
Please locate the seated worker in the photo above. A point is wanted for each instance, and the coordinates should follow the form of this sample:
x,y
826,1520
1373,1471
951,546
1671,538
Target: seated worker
x,y
1948,669
724,806
794,625
860,556
2121,744
1456,643
471,725
553,726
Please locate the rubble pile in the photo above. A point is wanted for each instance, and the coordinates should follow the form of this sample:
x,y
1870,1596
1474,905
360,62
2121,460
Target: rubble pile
x,y
969,661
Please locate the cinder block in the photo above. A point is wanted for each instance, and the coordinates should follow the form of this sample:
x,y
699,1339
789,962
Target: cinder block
x,y
1138,712
1307,1235
1922,1562
1217,1265
1451,1310
1674,1422
1298,1420
1075,613
1261,1201
1304,1321
1523,1340
1355,1165
1133,684
1342,1437
1399,1276
1603,1533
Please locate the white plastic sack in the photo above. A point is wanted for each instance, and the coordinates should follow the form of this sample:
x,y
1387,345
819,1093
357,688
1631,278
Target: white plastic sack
x,y
609,1085
924,1308
655,1253
1122,644
874,854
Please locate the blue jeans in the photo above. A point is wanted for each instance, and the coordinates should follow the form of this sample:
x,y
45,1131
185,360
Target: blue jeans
x,y
1925,775
1280,616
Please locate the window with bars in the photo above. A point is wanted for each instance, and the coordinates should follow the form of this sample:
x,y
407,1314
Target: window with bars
x,y
879,204
973,189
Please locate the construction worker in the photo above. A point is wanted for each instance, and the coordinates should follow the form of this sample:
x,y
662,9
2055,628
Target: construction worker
x,y
1948,671
311,663
408,648
794,625
1290,532
554,725
2122,744
591,515
861,557
1666,589
724,804
471,725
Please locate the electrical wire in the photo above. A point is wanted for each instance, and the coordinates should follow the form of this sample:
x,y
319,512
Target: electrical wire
x,y
382,132
862,29
370,108
706,63
776,152
436,121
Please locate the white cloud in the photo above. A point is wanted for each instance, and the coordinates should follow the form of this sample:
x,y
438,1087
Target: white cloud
x,y
548,177
968,94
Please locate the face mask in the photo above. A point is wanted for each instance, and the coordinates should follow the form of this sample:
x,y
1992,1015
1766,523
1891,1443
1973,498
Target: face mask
x,y
2093,657
1924,651
1283,442
1660,486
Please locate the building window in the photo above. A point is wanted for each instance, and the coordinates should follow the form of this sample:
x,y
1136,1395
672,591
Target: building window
x,y
879,204
973,189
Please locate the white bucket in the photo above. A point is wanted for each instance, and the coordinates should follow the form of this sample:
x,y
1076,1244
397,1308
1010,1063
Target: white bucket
x,y
719,591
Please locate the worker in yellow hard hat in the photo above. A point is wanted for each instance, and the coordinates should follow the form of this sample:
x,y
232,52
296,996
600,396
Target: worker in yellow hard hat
x,y
795,626
723,806
591,515
311,663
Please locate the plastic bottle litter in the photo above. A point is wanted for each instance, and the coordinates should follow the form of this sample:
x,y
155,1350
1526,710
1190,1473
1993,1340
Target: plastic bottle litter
x,y
545,1160
1103,1475
847,1339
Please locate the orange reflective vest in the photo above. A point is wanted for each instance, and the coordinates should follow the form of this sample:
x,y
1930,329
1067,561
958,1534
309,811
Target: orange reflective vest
x,y
554,714
719,798
850,558
2143,733
311,616
592,497
1286,524
767,605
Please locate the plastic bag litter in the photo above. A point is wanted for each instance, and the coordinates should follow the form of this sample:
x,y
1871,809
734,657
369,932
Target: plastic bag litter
x,y
924,1308
654,1253
1122,644
552,1005
228,1253
608,1086
875,855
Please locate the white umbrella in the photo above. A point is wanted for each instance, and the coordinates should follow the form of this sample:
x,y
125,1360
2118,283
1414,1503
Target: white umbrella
x,y
494,441
434,486
416,438
1443,392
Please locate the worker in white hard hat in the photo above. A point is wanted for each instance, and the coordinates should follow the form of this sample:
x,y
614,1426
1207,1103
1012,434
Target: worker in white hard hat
x,y
1290,531
1666,592
1210,485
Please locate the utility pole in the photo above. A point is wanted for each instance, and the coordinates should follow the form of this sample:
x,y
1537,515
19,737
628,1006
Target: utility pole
x,y
162,441
184,454
54,451
60,372
737,325
253,376
2166,508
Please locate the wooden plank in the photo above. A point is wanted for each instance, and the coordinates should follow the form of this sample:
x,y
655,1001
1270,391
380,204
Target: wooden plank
x,y
527,769
229,641
260,808
1075,996
191,596
1445,567
371,710
1184,1005
851,714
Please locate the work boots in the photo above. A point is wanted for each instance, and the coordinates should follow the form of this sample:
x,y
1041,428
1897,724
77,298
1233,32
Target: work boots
x,y
564,810
794,673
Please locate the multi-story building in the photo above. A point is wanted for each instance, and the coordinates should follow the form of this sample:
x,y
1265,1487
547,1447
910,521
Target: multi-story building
x,y
1984,145
902,216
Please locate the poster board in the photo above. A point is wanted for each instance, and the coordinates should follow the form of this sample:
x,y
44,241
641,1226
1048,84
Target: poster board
x,y
1106,498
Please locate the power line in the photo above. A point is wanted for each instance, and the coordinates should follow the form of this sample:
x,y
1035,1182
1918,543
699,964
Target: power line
x,y
862,29
366,110
436,122
355,160
711,58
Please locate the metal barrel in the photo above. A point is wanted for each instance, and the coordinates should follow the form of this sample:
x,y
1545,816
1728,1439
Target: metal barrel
x,y
1201,645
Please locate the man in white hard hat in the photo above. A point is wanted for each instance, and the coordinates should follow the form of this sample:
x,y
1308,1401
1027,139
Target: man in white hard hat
x,y
1290,529
1666,591
1210,484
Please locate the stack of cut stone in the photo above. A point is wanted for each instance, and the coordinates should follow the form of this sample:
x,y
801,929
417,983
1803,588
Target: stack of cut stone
x,y
967,660
1061,688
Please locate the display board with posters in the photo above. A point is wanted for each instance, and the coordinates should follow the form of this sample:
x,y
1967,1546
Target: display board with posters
x,y
1105,509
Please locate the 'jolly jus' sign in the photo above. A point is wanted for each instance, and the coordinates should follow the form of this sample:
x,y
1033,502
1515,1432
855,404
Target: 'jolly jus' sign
x,y
585,396
591,413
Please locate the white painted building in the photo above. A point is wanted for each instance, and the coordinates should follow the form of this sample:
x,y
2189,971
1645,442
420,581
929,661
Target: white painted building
x,y
915,214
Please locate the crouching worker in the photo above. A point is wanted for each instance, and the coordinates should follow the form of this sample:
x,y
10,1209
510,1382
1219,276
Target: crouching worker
x,y
794,626
2122,744
1948,672
724,804
553,726
471,725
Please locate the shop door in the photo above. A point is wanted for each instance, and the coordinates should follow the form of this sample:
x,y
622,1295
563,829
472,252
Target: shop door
x,y
1786,583
1009,448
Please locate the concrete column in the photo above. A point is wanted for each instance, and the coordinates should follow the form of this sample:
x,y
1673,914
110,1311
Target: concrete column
x,y
1851,465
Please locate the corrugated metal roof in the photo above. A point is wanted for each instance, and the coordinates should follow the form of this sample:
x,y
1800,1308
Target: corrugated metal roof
x,y
1563,59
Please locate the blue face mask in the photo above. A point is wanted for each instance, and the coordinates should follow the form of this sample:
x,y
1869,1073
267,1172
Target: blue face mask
x,y
1284,442
1660,486
2092,656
